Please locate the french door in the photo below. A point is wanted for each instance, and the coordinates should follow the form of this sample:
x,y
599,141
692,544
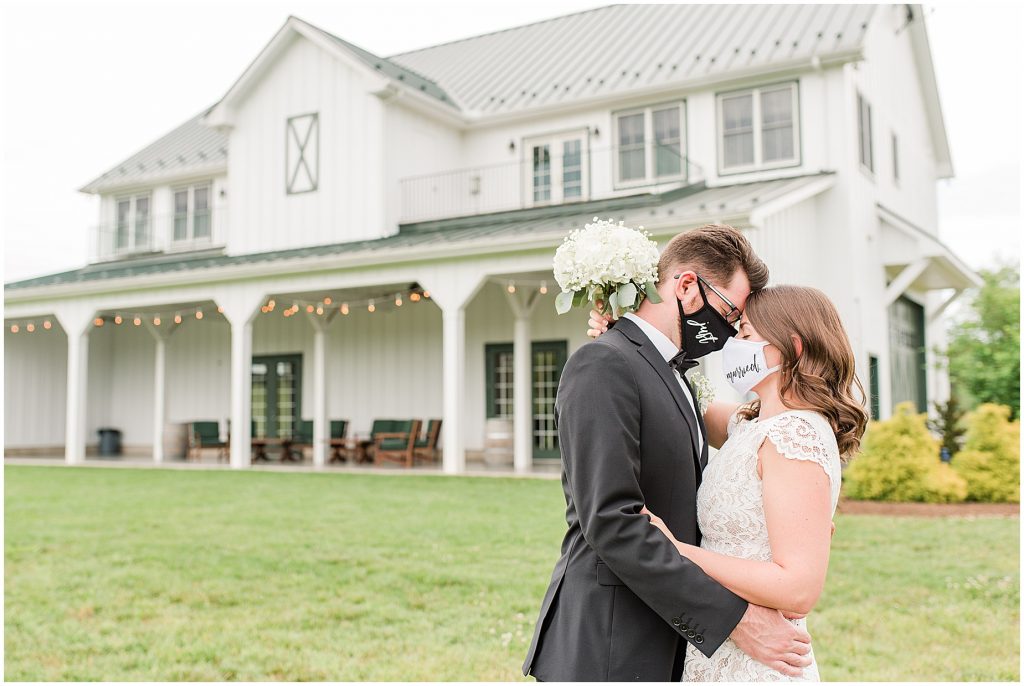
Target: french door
x,y
556,169
547,360
276,395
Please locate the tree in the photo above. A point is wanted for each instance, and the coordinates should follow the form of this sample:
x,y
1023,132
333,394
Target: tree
x,y
984,344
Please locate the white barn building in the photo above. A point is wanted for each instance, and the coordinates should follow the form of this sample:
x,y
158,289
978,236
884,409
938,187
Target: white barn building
x,y
329,182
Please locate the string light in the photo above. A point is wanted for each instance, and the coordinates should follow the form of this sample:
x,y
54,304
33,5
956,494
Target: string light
x,y
309,309
177,319
426,294
543,287
46,325
117,319
372,307
344,308
137,321
156,321
98,321
414,296
319,309
511,286
199,314
31,327
220,309
327,300
14,328
398,300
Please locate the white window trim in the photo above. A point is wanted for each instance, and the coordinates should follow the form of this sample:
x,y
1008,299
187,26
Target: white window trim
x,y
758,164
555,141
130,246
649,146
190,214
895,152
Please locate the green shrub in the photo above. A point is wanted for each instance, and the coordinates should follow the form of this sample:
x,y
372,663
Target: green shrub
x,y
990,460
899,462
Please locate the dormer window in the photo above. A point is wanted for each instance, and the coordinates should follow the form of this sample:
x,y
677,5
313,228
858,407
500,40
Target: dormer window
x,y
650,145
192,213
131,224
556,168
758,128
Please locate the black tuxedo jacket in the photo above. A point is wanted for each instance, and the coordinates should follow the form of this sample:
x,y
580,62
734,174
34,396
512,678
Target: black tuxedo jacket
x,y
622,602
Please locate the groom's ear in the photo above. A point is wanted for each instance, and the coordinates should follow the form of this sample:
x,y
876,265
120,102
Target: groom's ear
x,y
684,284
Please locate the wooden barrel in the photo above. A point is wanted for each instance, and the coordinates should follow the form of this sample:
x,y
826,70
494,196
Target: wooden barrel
x,y
498,442
175,441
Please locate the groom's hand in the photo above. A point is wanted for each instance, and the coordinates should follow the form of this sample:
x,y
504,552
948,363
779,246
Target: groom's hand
x,y
766,636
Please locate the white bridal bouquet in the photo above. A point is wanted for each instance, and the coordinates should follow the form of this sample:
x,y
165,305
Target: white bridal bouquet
x,y
609,262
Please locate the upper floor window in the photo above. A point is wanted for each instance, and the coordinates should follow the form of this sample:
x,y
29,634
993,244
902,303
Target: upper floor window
x,y
650,144
556,168
192,212
302,153
758,128
867,158
131,225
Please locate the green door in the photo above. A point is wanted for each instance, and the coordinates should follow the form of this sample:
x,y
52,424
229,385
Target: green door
x,y
276,395
907,353
548,359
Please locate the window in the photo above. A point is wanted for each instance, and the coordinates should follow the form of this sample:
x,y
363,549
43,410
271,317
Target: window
x,y
192,213
864,133
874,386
758,128
895,158
556,168
650,145
302,153
131,225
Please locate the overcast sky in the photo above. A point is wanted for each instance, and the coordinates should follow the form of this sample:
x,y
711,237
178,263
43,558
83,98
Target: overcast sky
x,y
84,85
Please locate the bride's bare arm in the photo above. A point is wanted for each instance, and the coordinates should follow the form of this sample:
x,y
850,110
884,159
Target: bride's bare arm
x,y
798,514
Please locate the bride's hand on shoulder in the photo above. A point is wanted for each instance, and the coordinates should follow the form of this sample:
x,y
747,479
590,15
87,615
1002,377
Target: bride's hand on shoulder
x,y
598,322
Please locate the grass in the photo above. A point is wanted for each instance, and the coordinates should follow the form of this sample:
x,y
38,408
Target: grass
x,y
123,575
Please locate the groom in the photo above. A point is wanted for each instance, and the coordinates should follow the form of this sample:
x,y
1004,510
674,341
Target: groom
x,y
622,603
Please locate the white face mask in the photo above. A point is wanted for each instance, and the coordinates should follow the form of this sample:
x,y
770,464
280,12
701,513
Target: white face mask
x,y
744,363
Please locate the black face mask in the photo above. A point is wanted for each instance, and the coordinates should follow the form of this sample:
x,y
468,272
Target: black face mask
x,y
704,331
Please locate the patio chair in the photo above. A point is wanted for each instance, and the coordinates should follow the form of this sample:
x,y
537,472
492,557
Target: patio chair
x,y
302,438
205,435
426,447
399,443
338,441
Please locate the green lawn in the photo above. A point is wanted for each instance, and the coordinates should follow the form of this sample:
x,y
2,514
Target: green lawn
x,y
143,574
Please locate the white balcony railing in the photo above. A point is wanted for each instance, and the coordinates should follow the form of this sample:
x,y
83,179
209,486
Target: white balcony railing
x,y
156,233
523,183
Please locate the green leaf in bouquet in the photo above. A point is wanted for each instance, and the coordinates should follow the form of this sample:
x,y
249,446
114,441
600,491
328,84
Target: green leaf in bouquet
x,y
652,292
613,304
563,301
626,295
579,297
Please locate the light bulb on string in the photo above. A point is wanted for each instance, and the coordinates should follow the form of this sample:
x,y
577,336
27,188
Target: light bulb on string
x,y
270,305
137,321
344,308
177,318
372,307
98,321
309,309
199,314
156,321
220,309
15,328
426,294
47,325
398,299
319,309
414,296
31,327
511,286
327,300
117,319
543,287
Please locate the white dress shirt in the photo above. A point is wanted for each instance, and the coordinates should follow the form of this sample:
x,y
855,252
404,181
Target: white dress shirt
x,y
668,350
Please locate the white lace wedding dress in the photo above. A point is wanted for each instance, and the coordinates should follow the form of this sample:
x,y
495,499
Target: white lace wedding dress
x,y
730,514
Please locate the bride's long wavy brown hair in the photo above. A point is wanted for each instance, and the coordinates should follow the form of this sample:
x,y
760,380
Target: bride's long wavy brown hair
x,y
824,375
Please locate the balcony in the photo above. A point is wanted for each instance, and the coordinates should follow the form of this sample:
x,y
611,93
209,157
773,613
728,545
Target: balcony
x,y
544,180
138,236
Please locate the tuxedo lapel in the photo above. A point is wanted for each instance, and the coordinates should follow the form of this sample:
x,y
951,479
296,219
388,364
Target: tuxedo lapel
x,y
650,353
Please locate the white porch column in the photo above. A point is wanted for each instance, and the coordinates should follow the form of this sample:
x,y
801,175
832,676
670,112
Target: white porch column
x,y
522,386
241,393
453,356
321,427
76,320
160,336
78,368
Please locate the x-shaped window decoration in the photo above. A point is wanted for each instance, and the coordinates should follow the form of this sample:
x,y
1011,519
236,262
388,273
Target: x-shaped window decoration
x,y
302,160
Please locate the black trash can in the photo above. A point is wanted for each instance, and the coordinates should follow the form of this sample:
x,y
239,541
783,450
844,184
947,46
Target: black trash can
x,y
110,441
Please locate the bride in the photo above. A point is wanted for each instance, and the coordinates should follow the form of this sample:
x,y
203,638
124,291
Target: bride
x,y
769,494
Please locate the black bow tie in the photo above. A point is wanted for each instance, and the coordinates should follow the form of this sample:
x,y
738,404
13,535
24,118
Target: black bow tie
x,y
681,363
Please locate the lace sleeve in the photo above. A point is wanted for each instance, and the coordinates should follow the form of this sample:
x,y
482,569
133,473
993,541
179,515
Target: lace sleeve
x,y
799,438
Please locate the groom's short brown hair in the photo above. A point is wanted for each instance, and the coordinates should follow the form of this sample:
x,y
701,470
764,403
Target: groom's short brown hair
x,y
715,251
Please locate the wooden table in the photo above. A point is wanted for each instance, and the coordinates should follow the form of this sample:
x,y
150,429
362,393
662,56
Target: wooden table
x,y
356,444
260,446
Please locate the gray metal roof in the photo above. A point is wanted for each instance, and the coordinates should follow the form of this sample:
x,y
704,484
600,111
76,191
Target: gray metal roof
x,y
190,146
390,69
684,207
617,49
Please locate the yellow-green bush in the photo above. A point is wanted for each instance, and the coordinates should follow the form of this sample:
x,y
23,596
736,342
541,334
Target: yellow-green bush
x,y
990,460
899,462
